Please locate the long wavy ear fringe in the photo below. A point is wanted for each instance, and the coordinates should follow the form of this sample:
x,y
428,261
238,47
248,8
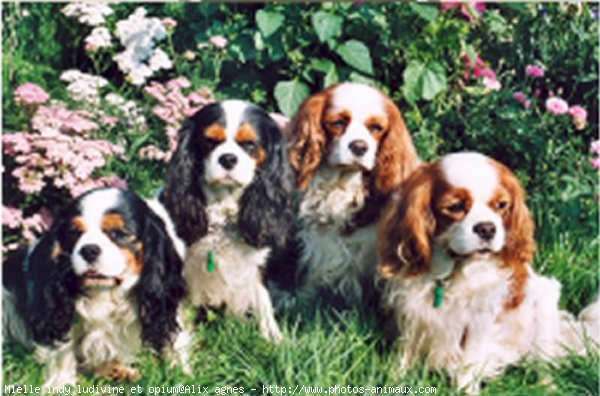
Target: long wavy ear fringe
x,y
182,195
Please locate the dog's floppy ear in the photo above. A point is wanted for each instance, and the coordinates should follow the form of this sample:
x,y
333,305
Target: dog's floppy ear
x,y
182,195
161,286
397,156
407,226
520,243
51,288
267,210
307,138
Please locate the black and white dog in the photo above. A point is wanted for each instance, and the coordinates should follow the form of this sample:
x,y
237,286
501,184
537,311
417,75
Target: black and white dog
x,y
229,192
102,282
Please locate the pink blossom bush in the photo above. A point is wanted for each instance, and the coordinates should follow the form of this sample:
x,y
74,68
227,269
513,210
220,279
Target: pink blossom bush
x,y
30,94
535,71
174,107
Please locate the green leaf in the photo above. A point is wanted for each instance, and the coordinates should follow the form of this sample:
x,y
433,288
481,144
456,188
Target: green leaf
x,y
428,12
269,22
290,95
470,50
327,25
423,81
357,55
331,77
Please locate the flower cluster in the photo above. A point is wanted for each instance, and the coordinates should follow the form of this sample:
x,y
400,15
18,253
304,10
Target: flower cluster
x,y
174,106
28,226
83,87
30,94
559,106
88,13
555,105
58,150
481,69
99,38
140,59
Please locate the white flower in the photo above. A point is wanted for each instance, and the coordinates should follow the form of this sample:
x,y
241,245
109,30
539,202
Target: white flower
x,y
138,35
131,113
492,84
99,38
83,87
160,60
88,13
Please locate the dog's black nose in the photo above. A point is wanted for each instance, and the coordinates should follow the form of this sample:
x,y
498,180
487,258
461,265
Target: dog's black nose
x,y
90,252
486,230
228,161
358,147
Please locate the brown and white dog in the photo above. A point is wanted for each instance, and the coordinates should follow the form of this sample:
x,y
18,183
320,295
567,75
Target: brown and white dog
x,y
457,243
350,148
104,281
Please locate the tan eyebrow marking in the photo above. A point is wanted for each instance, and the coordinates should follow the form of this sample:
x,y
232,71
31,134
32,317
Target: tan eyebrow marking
x,y
246,134
112,221
79,224
215,132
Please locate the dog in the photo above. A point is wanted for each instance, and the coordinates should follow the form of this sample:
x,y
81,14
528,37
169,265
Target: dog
x,y
229,191
104,281
456,243
349,148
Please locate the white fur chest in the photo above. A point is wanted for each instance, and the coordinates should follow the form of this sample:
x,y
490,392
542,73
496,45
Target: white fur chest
x,y
332,198
107,329
232,283
466,320
331,259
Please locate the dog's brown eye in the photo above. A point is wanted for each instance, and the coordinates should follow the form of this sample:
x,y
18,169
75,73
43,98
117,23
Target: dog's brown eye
x,y
501,205
458,207
341,123
249,146
117,234
375,128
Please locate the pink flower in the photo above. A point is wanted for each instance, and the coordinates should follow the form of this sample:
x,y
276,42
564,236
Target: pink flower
x,y
111,181
595,147
477,69
218,41
89,47
595,163
151,152
471,10
534,71
178,83
527,104
30,94
169,23
108,120
11,217
557,106
519,97
579,115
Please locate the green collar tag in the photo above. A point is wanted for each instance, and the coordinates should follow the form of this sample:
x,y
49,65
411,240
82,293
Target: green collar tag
x,y
438,295
211,263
